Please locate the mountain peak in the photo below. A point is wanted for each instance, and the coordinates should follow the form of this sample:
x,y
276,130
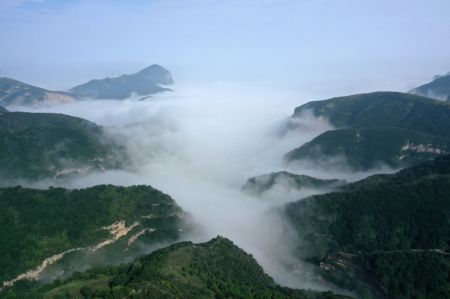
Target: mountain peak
x,y
438,88
145,82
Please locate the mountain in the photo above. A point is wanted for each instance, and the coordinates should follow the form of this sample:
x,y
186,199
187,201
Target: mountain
x,y
390,231
383,109
216,269
376,129
143,83
366,148
13,92
46,145
51,233
439,88
263,183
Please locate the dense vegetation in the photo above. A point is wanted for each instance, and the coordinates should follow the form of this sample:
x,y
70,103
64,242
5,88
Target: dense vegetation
x,y
216,269
384,109
13,92
37,224
41,145
145,82
366,148
260,184
439,87
402,214
376,129
410,274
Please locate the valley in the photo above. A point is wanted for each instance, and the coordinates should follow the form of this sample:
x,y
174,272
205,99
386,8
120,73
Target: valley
x,y
88,225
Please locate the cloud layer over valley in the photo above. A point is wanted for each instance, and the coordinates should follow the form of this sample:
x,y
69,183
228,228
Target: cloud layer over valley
x,y
200,145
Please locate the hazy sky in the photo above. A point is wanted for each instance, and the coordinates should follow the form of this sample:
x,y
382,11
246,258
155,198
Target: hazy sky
x,y
321,47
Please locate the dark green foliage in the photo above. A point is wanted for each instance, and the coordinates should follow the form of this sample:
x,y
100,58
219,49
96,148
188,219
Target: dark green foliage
x,y
145,82
40,145
436,167
413,274
37,224
263,183
13,92
216,269
417,215
384,109
363,149
405,213
439,87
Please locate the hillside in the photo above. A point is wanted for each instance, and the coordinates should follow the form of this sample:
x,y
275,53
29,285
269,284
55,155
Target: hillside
x,y
379,227
54,232
366,148
146,82
13,92
383,109
46,145
263,183
439,88
216,269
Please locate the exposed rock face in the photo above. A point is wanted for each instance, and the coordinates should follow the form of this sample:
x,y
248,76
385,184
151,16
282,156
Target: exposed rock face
x,y
13,92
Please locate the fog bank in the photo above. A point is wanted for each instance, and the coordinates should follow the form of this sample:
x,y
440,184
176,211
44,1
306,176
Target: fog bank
x,y
200,145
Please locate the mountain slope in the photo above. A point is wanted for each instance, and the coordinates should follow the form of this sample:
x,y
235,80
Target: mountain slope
x,y
43,145
366,148
263,183
13,92
143,83
359,231
216,269
383,109
438,88
53,231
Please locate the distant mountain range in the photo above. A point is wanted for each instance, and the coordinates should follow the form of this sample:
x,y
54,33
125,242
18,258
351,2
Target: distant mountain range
x,y
47,145
439,88
144,83
380,128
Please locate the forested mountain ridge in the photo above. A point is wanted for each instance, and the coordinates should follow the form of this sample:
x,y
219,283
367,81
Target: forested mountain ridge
x,y
216,269
386,228
366,148
47,145
374,130
383,109
54,232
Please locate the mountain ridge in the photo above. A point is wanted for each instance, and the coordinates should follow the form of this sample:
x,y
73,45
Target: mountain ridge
x,y
387,228
215,269
51,145
144,83
438,88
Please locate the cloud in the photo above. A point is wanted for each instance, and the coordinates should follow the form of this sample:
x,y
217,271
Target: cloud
x,y
200,145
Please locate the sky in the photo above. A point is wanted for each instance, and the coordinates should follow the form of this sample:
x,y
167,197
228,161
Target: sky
x,y
319,48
